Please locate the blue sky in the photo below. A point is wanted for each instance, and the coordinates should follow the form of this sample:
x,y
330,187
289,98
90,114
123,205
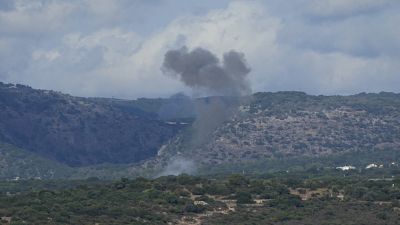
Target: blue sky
x,y
115,48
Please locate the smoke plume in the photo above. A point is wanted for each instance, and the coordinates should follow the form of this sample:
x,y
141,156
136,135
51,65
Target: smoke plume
x,y
202,70
178,166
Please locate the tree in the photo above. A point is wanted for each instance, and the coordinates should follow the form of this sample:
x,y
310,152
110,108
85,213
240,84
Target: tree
x,y
244,198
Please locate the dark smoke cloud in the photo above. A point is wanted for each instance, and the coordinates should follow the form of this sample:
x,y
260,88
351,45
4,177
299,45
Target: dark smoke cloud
x,y
202,70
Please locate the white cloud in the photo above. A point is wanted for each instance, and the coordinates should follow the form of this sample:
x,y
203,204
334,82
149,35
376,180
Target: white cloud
x,y
329,8
34,18
47,55
115,48
103,7
328,58
242,26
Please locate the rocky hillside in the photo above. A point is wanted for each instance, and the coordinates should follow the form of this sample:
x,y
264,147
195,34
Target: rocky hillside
x,y
276,125
79,131
157,136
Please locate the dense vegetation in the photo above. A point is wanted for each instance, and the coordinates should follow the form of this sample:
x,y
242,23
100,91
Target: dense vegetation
x,y
17,163
324,198
79,131
308,164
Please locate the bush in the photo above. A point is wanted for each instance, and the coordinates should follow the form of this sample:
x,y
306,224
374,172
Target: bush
x,y
194,208
244,198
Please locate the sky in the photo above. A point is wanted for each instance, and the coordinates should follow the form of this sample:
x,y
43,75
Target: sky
x,y
115,48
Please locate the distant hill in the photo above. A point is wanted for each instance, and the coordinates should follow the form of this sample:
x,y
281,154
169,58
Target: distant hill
x,y
43,131
79,131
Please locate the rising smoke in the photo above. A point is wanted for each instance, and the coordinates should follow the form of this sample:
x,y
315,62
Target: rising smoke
x,y
177,106
202,70
177,166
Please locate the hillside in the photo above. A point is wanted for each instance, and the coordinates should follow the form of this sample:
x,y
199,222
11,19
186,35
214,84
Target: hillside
x,y
111,138
286,124
17,164
79,131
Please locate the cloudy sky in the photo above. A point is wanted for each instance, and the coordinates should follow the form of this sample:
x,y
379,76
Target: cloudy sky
x,y
115,48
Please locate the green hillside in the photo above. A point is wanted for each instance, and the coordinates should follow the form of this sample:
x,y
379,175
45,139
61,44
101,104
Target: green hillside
x,y
16,163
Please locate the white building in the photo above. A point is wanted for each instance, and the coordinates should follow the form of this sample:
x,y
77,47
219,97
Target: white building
x,y
345,168
373,165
